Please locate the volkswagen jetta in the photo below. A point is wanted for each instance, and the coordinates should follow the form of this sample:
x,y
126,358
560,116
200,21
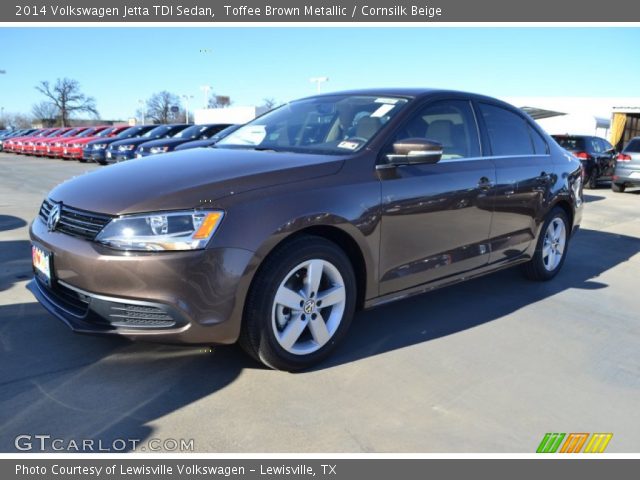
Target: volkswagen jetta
x,y
332,203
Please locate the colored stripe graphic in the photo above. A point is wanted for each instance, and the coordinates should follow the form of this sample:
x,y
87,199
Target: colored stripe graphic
x,y
598,442
550,443
574,443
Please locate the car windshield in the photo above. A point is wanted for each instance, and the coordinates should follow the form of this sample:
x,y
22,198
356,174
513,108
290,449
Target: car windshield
x,y
129,132
72,133
331,124
633,146
106,132
571,143
157,132
224,133
191,132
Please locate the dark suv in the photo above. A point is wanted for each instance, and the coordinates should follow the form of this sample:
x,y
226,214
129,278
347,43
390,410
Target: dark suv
x,y
597,155
275,236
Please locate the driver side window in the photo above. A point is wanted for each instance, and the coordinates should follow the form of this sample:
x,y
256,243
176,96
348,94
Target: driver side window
x,y
450,123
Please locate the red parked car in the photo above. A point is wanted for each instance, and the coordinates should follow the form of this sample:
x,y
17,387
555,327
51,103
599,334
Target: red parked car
x,y
40,147
72,149
55,144
28,143
14,144
61,151
38,144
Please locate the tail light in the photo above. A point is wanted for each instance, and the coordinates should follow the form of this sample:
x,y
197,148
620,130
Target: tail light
x,y
582,155
623,157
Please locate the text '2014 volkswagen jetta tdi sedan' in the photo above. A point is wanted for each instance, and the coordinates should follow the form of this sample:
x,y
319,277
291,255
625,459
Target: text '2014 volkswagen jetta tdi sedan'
x,y
325,205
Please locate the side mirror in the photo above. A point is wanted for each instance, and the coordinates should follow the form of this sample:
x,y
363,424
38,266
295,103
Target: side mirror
x,y
415,150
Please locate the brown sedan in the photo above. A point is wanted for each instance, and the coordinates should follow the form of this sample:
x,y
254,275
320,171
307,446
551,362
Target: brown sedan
x,y
325,205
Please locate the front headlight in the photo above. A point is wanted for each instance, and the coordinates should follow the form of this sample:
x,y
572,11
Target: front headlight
x,y
99,146
76,145
158,149
186,230
126,147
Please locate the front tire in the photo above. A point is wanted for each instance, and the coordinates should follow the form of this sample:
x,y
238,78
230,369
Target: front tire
x,y
300,304
618,187
551,249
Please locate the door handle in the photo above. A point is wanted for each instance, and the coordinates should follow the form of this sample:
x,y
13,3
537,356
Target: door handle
x,y
484,183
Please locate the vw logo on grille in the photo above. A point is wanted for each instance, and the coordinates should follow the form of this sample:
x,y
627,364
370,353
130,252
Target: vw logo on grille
x,y
54,217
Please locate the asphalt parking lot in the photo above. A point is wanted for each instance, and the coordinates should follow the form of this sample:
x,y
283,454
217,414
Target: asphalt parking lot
x,y
486,366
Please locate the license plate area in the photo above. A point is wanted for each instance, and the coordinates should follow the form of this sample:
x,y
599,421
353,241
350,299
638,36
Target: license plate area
x,y
42,261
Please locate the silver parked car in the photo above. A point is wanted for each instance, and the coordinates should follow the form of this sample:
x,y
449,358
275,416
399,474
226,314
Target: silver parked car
x,y
627,172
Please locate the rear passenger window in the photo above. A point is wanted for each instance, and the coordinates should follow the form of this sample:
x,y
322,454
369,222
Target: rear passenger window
x,y
539,144
508,132
448,122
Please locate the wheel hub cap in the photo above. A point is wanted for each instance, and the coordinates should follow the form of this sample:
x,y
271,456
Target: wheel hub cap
x,y
309,306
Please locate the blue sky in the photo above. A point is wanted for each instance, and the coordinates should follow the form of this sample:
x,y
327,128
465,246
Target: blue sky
x,y
118,66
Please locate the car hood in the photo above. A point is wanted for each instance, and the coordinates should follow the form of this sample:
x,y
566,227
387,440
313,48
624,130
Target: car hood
x,y
197,143
105,140
182,180
163,142
132,141
82,140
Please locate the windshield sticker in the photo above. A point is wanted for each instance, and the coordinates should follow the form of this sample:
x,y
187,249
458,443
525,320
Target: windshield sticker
x,y
382,110
349,145
391,101
251,135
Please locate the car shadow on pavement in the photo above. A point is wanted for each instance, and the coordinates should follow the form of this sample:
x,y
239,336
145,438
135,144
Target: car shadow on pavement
x,y
15,262
106,389
109,390
593,198
466,305
9,222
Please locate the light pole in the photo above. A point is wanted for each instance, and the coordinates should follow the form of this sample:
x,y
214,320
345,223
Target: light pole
x,y
318,81
206,89
141,102
186,106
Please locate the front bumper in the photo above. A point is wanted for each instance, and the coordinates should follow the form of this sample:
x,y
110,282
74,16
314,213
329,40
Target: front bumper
x,y
120,156
174,297
92,155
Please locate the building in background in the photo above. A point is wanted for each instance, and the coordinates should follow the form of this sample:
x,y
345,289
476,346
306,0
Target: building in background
x,y
615,118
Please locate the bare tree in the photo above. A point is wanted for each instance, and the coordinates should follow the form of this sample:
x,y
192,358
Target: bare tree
x,y
68,98
16,120
45,112
220,101
159,107
270,103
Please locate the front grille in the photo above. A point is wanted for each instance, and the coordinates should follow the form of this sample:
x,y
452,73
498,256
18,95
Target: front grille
x,y
78,223
130,315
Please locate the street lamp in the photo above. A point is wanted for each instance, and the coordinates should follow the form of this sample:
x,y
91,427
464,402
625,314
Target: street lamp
x,y
206,89
318,81
141,102
186,106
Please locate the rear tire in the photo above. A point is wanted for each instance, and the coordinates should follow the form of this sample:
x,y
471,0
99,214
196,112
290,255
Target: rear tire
x,y
591,183
285,324
551,249
618,187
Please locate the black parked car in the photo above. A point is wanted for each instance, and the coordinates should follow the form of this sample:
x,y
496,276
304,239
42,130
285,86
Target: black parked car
x,y
96,150
192,133
627,173
328,204
597,155
208,142
125,149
